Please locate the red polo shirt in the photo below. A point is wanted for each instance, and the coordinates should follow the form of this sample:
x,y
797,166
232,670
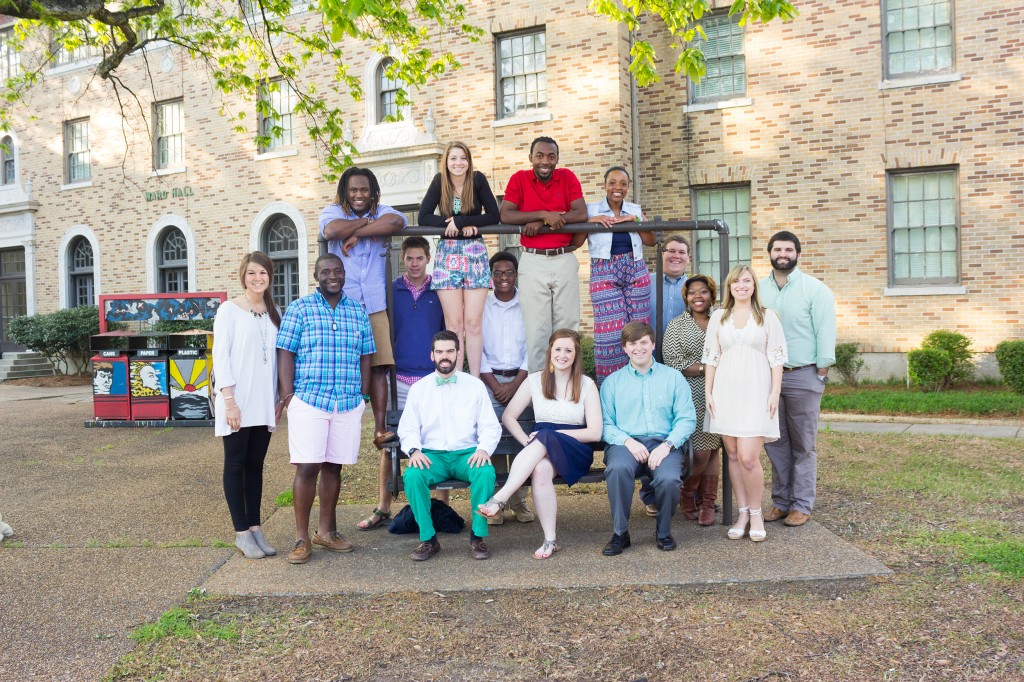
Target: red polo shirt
x,y
530,194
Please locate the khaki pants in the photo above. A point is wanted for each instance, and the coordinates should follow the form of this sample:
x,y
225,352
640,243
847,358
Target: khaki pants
x,y
549,294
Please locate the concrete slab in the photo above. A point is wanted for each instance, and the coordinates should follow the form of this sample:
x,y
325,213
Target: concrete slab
x,y
979,430
64,394
381,561
863,427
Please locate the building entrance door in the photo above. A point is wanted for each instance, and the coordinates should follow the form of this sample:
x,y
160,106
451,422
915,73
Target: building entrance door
x,y
13,294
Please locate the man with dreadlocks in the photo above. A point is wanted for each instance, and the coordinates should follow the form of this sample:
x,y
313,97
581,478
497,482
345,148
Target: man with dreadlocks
x,y
358,228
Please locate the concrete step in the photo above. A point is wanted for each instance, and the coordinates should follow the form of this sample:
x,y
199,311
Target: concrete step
x,y
25,374
26,364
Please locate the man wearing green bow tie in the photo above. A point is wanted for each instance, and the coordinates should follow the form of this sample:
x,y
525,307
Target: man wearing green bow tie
x,y
449,430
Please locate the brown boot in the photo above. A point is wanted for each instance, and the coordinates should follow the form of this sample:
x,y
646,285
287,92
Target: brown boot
x,y
708,494
687,502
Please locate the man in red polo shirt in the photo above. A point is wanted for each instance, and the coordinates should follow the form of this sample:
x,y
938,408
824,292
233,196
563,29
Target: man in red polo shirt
x,y
543,201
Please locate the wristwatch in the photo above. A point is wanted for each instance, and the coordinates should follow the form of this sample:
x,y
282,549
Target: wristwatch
x,y
823,378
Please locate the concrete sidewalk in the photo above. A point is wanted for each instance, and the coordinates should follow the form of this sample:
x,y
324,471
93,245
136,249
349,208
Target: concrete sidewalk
x,y
863,423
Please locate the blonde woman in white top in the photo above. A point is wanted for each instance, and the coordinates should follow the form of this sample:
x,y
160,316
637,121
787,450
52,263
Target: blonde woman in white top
x,y
567,409
245,366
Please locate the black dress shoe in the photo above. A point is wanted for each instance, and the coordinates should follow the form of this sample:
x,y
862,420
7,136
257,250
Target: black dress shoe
x,y
616,544
667,543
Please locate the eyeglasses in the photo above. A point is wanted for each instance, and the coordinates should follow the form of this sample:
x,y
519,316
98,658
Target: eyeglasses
x,y
503,274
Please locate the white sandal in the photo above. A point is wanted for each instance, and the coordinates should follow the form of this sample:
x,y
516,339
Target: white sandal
x,y
546,550
737,532
757,535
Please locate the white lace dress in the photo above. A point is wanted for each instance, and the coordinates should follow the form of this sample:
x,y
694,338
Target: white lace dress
x,y
743,378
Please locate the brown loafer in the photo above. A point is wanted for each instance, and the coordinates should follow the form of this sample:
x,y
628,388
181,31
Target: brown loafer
x,y
383,438
651,510
479,549
774,514
333,542
301,552
796,518
425,551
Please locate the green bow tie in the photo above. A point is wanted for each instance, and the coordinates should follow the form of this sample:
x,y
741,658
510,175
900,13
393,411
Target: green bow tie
x,y
450,380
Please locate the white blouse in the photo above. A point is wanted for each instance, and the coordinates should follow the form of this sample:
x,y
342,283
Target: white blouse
x,y
244,356
558,411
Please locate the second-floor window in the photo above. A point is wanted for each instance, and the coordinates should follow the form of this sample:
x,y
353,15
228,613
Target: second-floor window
x,y
170,134
10,61
8,173
277,97
918,36
83,49
387,93
522,72
726,66
76,151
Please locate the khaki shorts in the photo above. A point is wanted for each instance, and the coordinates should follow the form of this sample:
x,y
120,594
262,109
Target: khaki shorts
x,y
382,339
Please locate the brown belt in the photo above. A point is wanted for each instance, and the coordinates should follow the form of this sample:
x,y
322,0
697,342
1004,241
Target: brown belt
x,y
793,369
505,372
550,252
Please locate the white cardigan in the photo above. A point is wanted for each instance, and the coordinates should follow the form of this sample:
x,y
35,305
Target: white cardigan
x,y
238,361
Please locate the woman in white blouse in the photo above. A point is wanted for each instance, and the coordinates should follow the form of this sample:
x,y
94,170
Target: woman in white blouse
x,y
245,366
567,409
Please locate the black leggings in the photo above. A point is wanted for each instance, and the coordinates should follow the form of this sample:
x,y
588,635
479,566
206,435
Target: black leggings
x,y
244,452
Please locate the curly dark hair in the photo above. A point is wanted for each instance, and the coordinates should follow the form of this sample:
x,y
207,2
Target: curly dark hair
x,y
342,196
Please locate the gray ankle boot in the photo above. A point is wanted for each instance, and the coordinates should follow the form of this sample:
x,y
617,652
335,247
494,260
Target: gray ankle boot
x,y
257,535
246,544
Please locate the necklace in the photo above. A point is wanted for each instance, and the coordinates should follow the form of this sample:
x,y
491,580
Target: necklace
x,y
261,325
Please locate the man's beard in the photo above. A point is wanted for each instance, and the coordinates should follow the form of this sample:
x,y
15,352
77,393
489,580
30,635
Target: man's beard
x,y
448,368
785,268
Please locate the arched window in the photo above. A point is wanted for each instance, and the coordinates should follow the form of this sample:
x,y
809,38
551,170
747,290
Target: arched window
x,y
81,282
387,93
281,243
7,169
172,261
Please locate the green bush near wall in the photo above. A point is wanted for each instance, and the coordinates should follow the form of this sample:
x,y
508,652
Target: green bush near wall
x,y
1010,357
62,337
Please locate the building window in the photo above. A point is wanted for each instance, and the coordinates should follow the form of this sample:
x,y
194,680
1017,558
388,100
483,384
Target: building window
x,y
7,168
522,73
281,243
924,228
726,66
731,204
76,151
86,48
276,110
170,134
172,261
387,99
81,289
918,36
10,61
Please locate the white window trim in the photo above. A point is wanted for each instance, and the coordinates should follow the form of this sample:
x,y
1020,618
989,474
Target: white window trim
x,y
76,185
918,80
721,104
73,66
152,269
277,153
371,86
536,116
167,171
927,290
63,253
286,209
15,153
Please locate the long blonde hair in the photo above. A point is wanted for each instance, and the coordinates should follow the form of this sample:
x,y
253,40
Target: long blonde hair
x,y
448,187
729,302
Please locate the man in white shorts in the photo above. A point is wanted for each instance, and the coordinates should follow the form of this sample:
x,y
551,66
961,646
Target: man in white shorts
x,y
323,359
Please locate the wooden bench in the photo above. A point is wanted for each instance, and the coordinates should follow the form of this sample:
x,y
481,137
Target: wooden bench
x,y
502,458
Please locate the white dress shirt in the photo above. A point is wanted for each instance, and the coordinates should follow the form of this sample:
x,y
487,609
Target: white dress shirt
x,y
455,416
504,335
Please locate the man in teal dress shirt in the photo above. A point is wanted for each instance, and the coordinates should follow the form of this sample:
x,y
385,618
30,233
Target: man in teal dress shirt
x,y
807,309
648,415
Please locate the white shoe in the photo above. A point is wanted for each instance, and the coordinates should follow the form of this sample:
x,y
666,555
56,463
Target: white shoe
x,y
738,531
757,535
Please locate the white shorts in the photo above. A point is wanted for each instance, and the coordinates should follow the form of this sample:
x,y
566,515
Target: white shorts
x,y
315,436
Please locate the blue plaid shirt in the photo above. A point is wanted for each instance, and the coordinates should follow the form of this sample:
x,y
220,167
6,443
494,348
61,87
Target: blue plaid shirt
x,y
327,344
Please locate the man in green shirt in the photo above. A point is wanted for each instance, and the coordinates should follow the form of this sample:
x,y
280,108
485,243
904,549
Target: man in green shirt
x,y
807,309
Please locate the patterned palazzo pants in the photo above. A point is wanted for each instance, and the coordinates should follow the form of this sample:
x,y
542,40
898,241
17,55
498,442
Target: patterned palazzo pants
x,y
620,291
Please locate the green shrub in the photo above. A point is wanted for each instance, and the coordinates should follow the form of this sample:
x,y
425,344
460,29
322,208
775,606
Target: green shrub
x,y
178,326
929,367
587,347
63,336
849,363
958,348
1010,356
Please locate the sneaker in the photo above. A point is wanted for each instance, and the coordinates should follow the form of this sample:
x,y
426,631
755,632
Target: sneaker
x,y
496,520
523,513
333,543
301,552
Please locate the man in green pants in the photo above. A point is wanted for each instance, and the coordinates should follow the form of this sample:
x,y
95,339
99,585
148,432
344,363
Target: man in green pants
x,y
449,430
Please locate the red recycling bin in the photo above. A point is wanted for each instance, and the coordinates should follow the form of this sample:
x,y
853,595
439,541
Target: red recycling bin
x,y
110,398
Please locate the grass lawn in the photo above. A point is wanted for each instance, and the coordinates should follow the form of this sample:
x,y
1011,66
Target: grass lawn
x,y
945,513
972,401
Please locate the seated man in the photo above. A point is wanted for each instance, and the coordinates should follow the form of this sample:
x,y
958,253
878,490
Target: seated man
x,y
449,430
417,317
648,414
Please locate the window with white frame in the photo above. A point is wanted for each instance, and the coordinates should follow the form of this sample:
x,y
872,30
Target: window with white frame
x,y
172,261
387,93
10,60
522,72
170,134
918,37
726,66
924,227
77,166
81,283
730,203
276,110
8,171
281,242
75,47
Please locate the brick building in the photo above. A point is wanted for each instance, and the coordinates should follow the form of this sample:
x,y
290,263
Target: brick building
x,y
889,135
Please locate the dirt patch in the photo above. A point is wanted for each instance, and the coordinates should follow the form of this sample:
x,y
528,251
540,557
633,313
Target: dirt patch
x,y
55,381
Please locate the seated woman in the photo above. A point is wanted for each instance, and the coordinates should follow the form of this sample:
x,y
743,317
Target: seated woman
x,y
567,408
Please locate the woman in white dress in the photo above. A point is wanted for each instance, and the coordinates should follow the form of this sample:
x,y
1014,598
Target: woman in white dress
x,y
567,410
245,390
744,352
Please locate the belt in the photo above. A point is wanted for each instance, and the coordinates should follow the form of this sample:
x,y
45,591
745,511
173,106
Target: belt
x,y
505,372
793,369
550,252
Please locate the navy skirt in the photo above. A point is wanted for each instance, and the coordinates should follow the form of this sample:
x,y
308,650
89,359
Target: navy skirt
x,y
570,457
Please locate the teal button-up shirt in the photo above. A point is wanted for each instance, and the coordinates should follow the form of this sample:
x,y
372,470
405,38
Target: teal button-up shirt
x,y
807,309
655,404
